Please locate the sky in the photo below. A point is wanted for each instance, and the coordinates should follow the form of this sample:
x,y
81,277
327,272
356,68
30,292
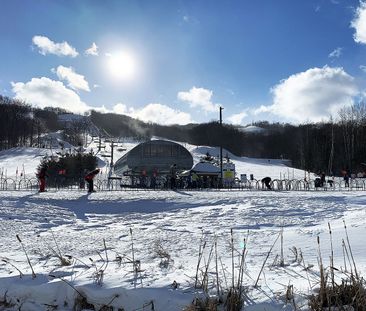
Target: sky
x,y
177,62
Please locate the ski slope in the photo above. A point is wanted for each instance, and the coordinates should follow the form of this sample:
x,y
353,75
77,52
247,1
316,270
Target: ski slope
x,y
26,160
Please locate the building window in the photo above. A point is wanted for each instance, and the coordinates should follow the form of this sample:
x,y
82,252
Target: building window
x,y
174,151
146,150
150,150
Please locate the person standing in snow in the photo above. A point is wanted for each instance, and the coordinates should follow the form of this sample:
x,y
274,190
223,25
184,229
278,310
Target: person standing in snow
x,y
346,179
194,179
42,174
322,179
90,179
267,182
173,176
153,178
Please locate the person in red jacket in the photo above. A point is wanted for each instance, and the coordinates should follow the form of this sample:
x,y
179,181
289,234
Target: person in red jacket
x,y
42,174
90,179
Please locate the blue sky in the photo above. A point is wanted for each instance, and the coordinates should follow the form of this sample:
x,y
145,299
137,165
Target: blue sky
x,y
178,61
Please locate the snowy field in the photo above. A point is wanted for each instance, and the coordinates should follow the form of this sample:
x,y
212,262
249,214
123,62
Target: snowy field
x,y
175,222
100,235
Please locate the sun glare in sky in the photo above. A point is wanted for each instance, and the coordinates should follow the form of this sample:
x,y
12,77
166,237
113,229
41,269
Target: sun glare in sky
x,y
122,65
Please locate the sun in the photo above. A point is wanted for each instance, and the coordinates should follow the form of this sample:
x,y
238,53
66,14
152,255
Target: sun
x,y
122,65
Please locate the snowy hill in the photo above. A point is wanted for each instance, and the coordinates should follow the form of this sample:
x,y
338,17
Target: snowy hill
x,y
275,168
253,129
20,160
29,158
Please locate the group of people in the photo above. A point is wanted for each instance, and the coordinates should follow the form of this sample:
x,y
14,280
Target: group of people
x,y
321,180
89,178
194,179
201,181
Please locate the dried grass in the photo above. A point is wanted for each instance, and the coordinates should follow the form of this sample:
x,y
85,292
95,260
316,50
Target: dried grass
x,y
160,251
351,292
81,304
5,304
202,304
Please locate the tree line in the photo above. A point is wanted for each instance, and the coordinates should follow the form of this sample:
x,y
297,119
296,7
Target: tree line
x,y
318,147
329,147
23,125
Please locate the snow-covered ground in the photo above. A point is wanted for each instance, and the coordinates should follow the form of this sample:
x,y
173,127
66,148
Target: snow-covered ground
x,y
103,232
174,223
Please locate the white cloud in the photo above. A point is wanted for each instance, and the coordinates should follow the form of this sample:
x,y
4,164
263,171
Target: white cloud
x,y
359,24
44,92
47,46
156,113
73,79
363,68
261,109
237,118
120,108
199,97
162,114
93,50
102,109
313,95
336,53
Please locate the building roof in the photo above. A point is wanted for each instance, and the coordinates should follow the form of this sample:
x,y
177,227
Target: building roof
x,y
206,168
154,156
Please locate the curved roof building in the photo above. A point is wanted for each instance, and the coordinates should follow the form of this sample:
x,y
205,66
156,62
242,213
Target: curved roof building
x,y
154,156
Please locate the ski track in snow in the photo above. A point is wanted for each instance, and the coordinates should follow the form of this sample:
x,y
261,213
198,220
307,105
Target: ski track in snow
x,y
188,213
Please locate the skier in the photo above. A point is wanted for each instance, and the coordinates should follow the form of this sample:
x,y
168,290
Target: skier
x,y
267,181
42,174
153,179
194,179
330,182
346,179
90,179
317,183
173,176
322,179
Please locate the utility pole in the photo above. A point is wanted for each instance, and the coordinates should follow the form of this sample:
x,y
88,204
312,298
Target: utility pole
x,y
221,177
99,144
112,147
114,144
